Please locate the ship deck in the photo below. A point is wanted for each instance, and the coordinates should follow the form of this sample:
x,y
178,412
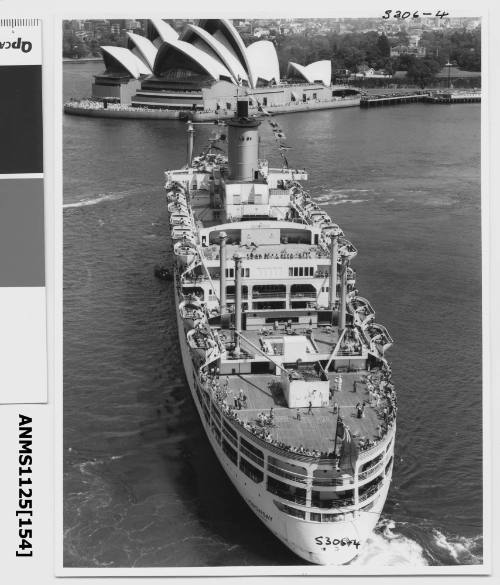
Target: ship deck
x,y
323,338
314,431
263,251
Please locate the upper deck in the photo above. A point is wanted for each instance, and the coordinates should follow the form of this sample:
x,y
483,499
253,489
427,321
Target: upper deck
x,y
311,432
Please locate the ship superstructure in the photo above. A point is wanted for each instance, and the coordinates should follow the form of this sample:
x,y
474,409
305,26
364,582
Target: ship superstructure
x,y
283,357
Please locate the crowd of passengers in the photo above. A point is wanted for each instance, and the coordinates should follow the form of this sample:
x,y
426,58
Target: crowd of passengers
x,y
378,385
382,396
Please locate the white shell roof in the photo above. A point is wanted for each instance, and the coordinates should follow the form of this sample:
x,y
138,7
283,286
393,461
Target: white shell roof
x,y
317,71
263,61
226,56
127,60
226,34
144,49
165,31
212,66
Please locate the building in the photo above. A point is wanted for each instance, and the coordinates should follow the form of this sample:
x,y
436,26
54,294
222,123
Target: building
x,y
204,69
415,50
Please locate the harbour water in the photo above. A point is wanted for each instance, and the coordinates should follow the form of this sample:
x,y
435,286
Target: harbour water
x,y
142,487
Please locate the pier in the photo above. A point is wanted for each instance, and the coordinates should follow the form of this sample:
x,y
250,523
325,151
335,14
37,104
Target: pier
x,y
432,97
391,99
454,97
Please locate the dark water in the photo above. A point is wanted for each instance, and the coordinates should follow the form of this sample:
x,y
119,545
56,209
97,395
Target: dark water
x,y
142,486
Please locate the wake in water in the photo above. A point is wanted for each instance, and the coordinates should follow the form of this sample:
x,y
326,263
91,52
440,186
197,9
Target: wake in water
x,y
389,546
95,200
102,197
461,550
338,196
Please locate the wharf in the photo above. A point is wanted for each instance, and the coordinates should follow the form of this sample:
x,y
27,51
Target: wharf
x,y
430,97
454,98
392,99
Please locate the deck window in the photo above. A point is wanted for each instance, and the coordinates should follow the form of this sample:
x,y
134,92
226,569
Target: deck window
x,y
252,452
269,291
216,431
371,462
251,471
329,499
370,488
286,491
290,510
229,451
215,413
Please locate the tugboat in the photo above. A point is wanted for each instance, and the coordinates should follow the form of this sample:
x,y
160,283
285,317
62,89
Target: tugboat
x,y
162,273
284,360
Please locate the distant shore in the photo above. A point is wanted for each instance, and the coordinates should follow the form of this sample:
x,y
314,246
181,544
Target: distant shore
x,y
82,60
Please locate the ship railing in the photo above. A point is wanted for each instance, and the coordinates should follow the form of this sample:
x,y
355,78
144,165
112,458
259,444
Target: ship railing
x,y
307,295
286,474
332,481
333,503
277,295
371,470
348,352
382,443
252,456
370,492
282,451
286,495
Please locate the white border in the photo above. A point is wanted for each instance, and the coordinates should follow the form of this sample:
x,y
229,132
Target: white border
x,y
308,570
41,570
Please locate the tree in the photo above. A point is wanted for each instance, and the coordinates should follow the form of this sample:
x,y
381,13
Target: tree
x,y
383,46
423,71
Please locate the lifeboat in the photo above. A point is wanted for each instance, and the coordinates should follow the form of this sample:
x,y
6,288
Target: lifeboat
x,y
379,337
179,219
347,249
177,206
191,309
186,252
179,232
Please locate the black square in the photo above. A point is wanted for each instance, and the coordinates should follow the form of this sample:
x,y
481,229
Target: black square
x,y
21,137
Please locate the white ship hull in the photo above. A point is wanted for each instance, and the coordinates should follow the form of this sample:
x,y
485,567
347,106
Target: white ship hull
x,y
334,543
283,357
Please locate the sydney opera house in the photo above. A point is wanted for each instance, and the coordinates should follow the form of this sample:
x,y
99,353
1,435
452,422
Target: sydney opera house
x,y
205,68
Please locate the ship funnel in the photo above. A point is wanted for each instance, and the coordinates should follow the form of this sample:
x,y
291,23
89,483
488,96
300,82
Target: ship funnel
x,y
243,145
222,252
242,109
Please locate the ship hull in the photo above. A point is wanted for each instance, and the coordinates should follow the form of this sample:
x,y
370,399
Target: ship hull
x,y
332,543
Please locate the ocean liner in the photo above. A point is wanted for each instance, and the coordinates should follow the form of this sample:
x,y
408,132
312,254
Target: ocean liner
x,y
284,359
